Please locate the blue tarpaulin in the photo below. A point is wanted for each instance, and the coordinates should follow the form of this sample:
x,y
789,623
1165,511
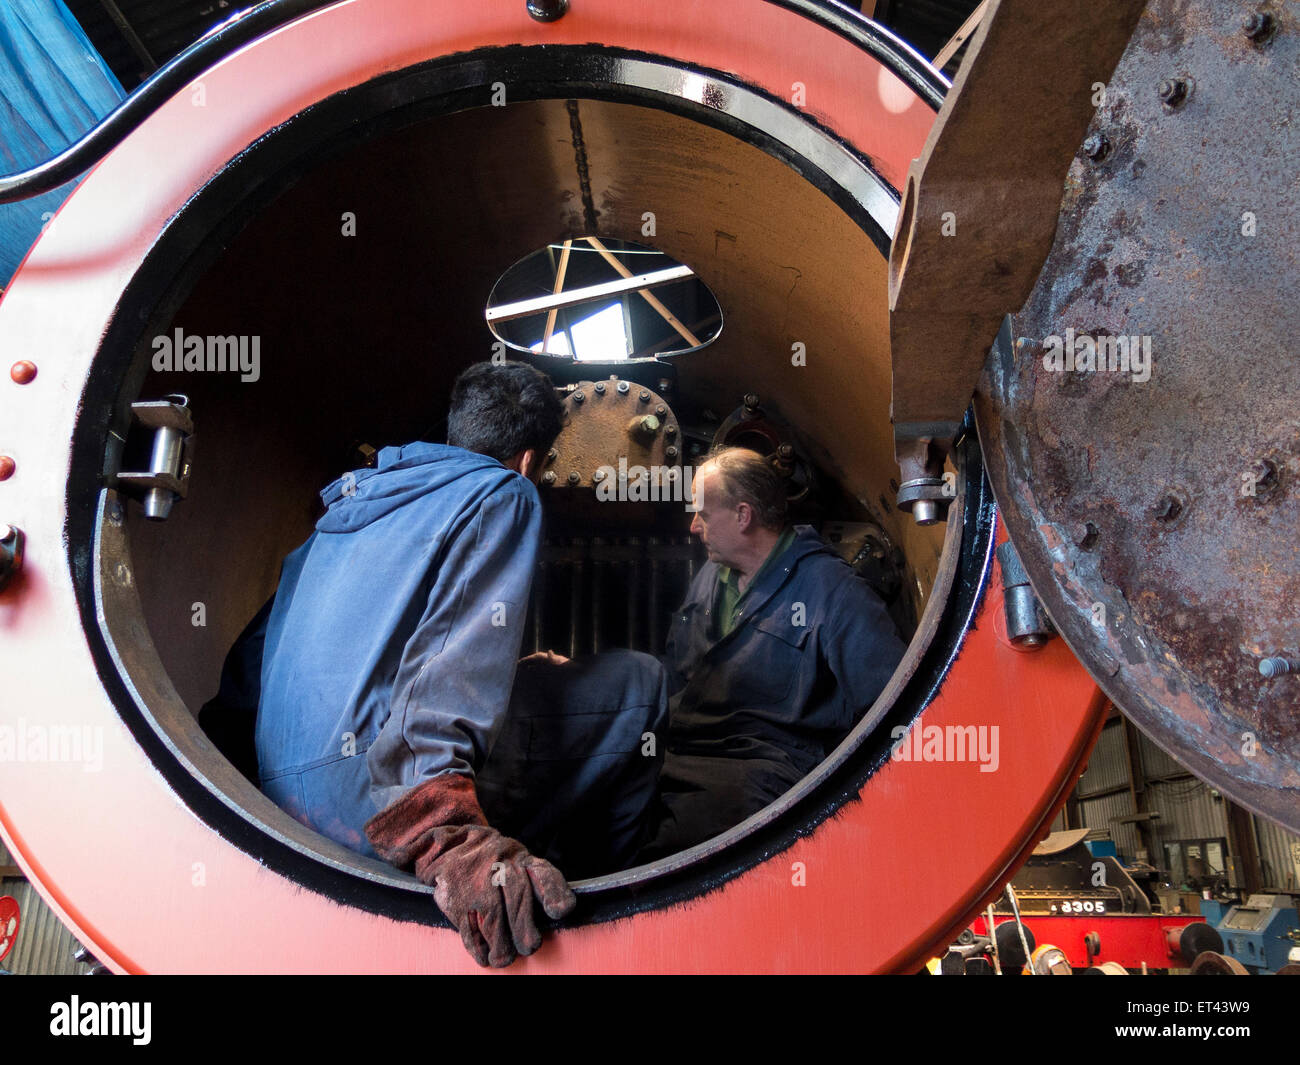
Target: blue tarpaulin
x,y
53,87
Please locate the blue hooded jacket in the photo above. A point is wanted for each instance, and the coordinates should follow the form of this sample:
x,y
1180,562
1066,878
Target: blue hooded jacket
x,y
391,646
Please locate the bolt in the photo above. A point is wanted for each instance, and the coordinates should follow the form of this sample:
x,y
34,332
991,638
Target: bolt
x,y
644,397
1084,534
1170,508
599,475
7,467
1258,25
579,397
661,410
751,400
670,430
574,477
1108,662
622,388
1174,92
1275,667
670,452
1096,147
547,10
548,477
1264,474
786,451
925,512
23,372
552,455
600,388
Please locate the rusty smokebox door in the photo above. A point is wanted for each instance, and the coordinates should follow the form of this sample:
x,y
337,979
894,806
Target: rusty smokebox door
x,y
1139,415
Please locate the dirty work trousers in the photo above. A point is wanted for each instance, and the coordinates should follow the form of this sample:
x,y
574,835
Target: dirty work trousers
x,y
573,774
584,773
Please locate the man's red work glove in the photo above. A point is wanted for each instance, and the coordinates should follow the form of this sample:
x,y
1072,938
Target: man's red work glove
x,y
483,881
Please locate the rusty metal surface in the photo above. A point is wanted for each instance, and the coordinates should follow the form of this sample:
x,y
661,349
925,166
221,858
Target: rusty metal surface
x,y
1156,507
613,426
981,202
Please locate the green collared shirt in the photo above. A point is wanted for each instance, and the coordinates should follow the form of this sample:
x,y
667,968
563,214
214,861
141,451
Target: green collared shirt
x,y
730,597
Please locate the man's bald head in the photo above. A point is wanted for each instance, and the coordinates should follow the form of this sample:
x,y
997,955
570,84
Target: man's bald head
x,y
745,476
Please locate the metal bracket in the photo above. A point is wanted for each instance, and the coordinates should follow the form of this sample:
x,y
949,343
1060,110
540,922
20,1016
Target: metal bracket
x,y
168,476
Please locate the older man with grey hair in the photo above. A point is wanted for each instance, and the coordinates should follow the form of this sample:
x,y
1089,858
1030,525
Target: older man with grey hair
x,y
776,653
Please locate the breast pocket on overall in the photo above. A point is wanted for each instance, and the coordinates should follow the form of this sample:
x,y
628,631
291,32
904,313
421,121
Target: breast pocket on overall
x,y
768,657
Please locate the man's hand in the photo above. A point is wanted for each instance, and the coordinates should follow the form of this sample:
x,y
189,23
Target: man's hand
x,y
483,881
552,657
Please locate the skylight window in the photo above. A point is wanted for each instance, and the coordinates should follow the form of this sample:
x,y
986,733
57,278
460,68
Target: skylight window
x,y
596,299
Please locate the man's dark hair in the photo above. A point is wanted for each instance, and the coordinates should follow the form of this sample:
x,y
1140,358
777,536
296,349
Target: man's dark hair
x,y
747,477
501,409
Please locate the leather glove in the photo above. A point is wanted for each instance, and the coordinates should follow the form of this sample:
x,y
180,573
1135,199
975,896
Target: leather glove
x,y
483,881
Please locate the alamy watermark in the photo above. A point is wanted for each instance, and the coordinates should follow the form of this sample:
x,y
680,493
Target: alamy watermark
x,y
211,354
1082,353
74,744
646,484
946,743
77,1018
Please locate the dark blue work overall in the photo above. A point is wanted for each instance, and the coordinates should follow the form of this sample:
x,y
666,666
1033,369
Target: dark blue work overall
x,y
754,710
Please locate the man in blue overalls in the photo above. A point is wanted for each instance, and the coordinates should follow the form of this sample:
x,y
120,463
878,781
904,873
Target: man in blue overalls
x,y
383,674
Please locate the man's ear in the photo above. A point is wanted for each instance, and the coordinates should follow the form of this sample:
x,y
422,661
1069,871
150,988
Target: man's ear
x,y
744,516
526,462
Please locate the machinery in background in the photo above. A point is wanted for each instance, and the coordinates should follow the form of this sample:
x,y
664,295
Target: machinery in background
x,y
1262,934
1107,943
1081,912
1066,877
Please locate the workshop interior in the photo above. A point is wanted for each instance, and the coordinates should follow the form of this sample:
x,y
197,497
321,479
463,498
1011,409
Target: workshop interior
x,y
857,254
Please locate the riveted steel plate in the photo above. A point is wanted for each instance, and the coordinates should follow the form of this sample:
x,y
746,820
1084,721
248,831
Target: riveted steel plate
x,y
613,425
1155,498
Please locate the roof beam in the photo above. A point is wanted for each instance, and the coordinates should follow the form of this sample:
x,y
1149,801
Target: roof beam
x,y
506,312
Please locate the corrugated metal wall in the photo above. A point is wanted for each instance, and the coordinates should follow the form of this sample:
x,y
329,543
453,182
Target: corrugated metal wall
x,y
43,946
1187,807
1155,763
1279,854
1108,765
1187,811
1103,792
1105,812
